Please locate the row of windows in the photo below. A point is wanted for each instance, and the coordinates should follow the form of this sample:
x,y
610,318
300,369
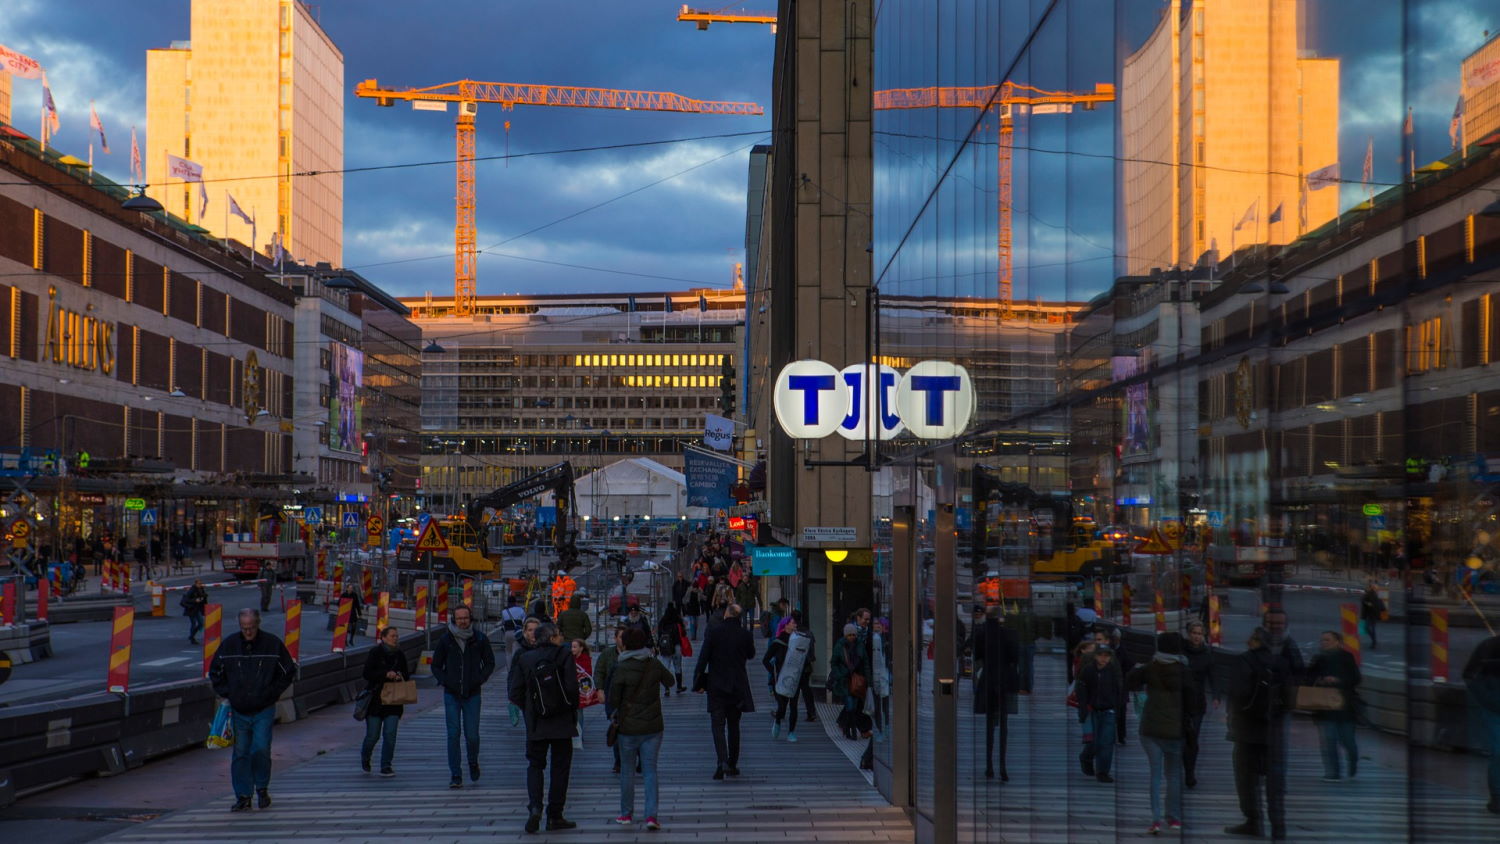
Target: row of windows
x,y
647,360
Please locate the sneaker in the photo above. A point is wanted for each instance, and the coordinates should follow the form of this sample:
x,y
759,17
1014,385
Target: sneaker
x,y
732,770
652,824
775,730
387,772
719,773
615,769
624,820
364,765
1173,823
1153,829
791,737
265,798
456,782
473,772
241,804
533,822
1331,778
1105,778
1247,828
1088,765
1191,782
811,718
560,822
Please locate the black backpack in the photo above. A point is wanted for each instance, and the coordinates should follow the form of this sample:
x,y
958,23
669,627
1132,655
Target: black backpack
x,y
666,642
548,694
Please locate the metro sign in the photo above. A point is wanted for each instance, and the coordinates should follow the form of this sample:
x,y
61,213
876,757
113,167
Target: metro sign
x,y
934,400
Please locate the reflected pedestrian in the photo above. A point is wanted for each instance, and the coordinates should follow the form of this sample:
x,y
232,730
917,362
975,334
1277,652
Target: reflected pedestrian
x,y
462,660
1200,663
251,669
1335,667
996,657
1167,683
1254,689
385,663
1101,691
1371,611
193,603
1482,678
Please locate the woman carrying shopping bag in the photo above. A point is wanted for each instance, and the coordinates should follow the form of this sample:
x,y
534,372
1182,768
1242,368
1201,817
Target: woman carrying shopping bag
x,y
386,677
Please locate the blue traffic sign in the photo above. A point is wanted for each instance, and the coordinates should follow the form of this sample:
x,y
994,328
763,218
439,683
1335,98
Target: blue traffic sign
x,y
148,517
351,519
313,515
1215,519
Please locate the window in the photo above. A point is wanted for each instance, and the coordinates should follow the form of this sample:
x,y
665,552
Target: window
x,y
1427,346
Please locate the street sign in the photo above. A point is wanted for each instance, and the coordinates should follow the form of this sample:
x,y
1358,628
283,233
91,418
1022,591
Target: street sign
x,y
1172,530
135,504
20,531
374,524
1215,519
847,535
351,519
1153,544
313,515
431,539
1373,510
148,517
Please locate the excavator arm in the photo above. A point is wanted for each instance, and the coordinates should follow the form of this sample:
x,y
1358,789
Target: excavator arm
x,y
557,479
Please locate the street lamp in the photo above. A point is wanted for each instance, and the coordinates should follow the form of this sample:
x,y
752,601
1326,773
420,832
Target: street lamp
x,y
142,203
433,349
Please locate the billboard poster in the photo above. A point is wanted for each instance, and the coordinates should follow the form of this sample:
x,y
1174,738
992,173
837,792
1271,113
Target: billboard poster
x,y
1136,425
708,480
345,374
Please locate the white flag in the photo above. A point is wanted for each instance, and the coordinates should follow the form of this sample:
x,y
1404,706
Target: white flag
x,y
98,127
718,432
1323,177
1251,216
181,168
234,208
49,107
17,65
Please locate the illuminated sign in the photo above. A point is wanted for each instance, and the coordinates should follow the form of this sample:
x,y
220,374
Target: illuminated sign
x,y
135,504
934,400
77,339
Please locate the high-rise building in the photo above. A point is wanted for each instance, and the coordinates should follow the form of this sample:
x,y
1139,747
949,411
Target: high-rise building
x,y
1223,115
4,97
254,97
1480,75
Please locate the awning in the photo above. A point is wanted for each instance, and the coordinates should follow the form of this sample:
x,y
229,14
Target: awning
x,y
72,161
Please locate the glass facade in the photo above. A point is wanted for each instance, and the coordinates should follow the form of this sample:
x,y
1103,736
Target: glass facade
x,y
1223,275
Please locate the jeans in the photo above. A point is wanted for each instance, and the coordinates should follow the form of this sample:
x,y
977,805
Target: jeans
x,y
1334,733
195,624
673,662
648,746
250,768
805,687
375,730
461,713
1491,720
692,621
724,718
562,766
786,707
1102,749
1165,752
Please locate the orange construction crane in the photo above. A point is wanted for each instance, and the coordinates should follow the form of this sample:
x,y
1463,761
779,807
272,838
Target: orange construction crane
x,y
1013,98
469,94
704,18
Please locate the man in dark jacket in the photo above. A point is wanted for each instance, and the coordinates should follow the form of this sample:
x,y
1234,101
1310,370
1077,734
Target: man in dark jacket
x,y
544,685
462,660
1258,684
251,669
1371,609
1482,677
1200,663
997,654
721,673
574,623
1101,691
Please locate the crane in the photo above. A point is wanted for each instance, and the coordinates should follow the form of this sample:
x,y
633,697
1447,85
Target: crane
x,y
703,18
469,94
1011,98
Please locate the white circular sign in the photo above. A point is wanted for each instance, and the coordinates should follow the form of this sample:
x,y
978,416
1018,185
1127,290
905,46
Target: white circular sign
x,y
811,399
871,408
936,399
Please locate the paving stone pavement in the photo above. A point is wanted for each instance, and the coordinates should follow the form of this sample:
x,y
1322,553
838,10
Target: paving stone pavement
x,y
806,791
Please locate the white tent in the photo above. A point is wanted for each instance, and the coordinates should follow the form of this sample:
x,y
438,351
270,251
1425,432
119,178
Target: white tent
x,y
631,488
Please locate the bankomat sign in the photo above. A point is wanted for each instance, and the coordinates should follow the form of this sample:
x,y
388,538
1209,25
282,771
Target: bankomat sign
x,y
934,400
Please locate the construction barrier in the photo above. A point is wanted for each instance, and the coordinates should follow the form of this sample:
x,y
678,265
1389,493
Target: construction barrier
x,y
382,612
338,573
1185,592
43,592
1439,633
322,564
442,601
1126,594
8,603
367,586
1349,616
1159,609
421,606
1098,597
291,634
1215,631
119,650
469,592
341,627
158,600
213,632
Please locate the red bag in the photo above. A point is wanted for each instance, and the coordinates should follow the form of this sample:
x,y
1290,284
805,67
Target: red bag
x,y
684,644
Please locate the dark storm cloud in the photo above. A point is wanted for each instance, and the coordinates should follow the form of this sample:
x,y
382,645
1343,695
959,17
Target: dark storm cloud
x,y
690,227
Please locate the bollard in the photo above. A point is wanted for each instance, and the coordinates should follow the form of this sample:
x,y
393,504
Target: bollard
x,y
367,586
1439,633
125,580
158,600
322,564
1215,634
8,603
442,601
382,612
43,590
1098,597
119,650
338,574
421,606
108,580
341,627
213,631
1125,598
469,592
291,634
1349,615
1159,609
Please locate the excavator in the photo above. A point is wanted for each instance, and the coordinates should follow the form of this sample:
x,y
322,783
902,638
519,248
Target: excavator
x,y
469,551
1059,551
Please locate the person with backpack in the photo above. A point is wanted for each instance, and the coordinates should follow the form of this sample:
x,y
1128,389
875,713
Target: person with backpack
x,y
1371,610
1482,678
193,602
776,662
1335,667
1168,686
639,725
385,663
670,634
462,660
1256,704
544,685
721,675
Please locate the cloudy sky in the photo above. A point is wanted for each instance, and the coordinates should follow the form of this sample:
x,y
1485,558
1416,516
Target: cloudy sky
x,y
675,213
672,215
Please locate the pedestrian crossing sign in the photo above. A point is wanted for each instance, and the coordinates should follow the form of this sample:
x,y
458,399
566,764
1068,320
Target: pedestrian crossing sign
x,y
148,517
313,515
351,519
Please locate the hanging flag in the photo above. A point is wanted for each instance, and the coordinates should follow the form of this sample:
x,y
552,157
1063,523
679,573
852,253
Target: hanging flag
x,y
278,254
1453,125
98,127
702,302
1323,177
1275,215
181,168
1406,127
667,306
1251,216
18,65
234,208
1367,175
49,106
202,201
718,432
630,304
137,172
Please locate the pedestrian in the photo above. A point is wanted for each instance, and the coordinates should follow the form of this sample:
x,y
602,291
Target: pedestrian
x,y
544,685
880,657
1166,681
1101,691
356,610
574,623
1025,624
804,688
670,634
512,616
588,690
193,602
251,669
693,607
996,657
633,687
1257,703
267,585
680,587
721,675
1122,659
1482,678
1371,611
1335,667
773,620
525,640
776,662
847,681
462,660
385,663
1200,663
637,619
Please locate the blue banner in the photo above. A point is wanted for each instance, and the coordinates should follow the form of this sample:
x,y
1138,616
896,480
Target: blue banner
x,y
773,560
708,480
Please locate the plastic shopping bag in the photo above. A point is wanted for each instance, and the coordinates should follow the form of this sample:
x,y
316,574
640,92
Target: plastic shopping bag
x,y
221,734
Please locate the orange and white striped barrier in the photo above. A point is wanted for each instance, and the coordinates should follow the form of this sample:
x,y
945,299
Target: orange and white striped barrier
x,y
8,603
1159,609
1098,597
291,633
338,573
367,586
43,591
421,606
1215,631
322,564
442,601
469,592
1126,596
341,626
213,632
119,650
382,612
1185,592
1349,616
1439,633
107,575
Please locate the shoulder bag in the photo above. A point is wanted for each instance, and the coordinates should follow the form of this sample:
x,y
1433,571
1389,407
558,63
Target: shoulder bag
x,y
362,705
398,692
